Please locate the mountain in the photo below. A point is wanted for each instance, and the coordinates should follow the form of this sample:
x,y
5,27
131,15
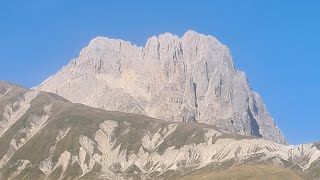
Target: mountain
x,y
188,79
44,136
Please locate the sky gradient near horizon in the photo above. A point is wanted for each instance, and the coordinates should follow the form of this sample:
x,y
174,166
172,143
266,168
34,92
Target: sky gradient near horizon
x,y
275,42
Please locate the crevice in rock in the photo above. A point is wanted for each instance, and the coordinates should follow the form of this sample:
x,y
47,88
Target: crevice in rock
x,y
195,94
255,129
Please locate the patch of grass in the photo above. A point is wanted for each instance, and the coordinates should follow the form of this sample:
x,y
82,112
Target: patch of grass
x,y
93,174
250,172
73,172
314,170
56,174
31,172
185,134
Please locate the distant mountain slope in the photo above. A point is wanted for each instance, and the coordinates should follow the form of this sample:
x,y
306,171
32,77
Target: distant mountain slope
x,y
190,79
44,136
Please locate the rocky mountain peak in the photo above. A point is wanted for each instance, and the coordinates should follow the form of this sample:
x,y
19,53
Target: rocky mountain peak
x,y
191,79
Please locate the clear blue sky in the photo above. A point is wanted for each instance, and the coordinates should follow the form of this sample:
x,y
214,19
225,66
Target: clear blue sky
x,y
277,43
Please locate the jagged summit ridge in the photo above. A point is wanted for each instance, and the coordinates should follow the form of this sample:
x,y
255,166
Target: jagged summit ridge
x,y
191,78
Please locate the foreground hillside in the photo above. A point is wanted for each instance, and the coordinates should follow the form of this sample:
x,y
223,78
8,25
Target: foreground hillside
x,y
44,136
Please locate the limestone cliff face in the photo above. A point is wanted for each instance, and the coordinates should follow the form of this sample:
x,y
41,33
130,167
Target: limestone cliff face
x,y
191,79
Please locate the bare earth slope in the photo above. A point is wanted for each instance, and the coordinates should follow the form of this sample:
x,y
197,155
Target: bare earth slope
x,y
44,136
189,79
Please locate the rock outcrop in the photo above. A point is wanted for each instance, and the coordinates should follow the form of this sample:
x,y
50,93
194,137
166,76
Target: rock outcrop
x,y
188,79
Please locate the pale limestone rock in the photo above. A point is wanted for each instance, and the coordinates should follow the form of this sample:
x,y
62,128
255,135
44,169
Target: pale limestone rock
x,y
190,79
